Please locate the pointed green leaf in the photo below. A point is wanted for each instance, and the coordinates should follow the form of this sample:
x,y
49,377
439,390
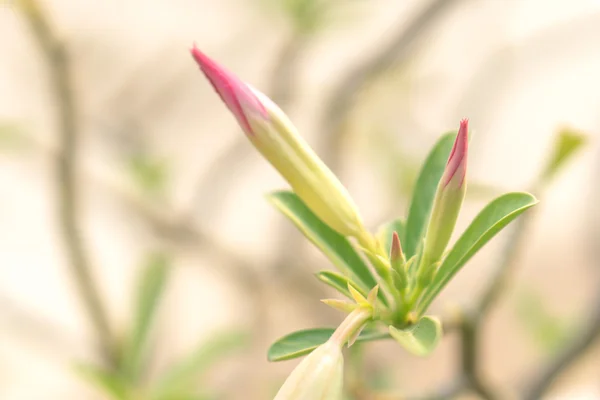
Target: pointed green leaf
x,y
341,305
151,284
424,193
420,339
495,216
300,343
384,233
338,282
566,145
358,298
109,382
335,246
185,373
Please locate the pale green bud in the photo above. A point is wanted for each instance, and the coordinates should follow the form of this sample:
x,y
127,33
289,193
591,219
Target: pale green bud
x,y
448,200
276,138
318,377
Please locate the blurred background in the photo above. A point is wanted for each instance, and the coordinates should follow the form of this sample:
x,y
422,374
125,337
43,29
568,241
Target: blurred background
x,y
133,218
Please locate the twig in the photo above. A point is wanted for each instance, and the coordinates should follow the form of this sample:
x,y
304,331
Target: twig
x,y
66,161
470,332
397,52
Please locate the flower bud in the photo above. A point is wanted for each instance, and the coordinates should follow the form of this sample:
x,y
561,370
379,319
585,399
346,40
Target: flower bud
x,y
398,262
448,199
276,138
319,376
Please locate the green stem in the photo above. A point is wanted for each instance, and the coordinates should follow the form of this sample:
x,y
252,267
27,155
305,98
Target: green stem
x,y
353,322
369,243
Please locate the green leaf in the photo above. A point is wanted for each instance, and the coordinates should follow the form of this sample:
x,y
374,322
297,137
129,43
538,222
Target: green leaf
x,y
182,376
335,246
149,173
338,282
420,339
108,382
495,216
424,194
151,284
302,342
566,145
384,233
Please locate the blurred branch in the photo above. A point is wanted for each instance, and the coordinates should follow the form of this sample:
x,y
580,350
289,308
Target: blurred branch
x,y
470,334
546,377
397,52
58,63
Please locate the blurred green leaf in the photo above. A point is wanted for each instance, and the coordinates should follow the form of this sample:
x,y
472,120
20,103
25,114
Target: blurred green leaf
x,y
110,383
151,285
382,379
424,193
338,282
385,232
333,245
420,339
12,136
567,143
149,174
302,342
306,16
491,220
183,375
549,332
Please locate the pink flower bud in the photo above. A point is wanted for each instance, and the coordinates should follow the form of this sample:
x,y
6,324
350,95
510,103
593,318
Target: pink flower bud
x,y
275,137
236,95
456,169
396,250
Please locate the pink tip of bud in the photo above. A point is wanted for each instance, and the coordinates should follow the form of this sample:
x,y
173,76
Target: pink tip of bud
x,y
396,249
457,162
236,95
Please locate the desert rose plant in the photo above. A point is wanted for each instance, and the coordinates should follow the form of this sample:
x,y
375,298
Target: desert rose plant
x,y
391,276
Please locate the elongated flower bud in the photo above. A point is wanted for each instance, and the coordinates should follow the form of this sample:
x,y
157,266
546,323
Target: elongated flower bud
x,y
398,263
276,138
448,199
319,376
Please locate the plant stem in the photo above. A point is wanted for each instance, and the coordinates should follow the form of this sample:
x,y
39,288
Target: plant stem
x,y
58,63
